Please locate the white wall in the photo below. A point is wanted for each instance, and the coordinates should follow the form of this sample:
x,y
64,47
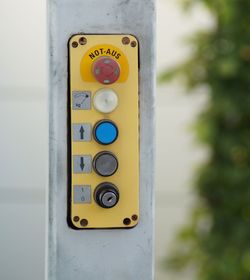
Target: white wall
x,y
23,148
23,124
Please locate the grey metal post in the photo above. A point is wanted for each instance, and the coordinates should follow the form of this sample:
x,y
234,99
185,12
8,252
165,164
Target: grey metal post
x,y
99,254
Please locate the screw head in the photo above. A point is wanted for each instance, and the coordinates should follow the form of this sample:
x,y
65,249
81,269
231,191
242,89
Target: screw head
x,y
133,44
125,40
76,219
126,221
84,222
83,41
134,217
74,44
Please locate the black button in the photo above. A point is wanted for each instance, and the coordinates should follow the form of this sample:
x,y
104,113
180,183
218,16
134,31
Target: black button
x,y
105,163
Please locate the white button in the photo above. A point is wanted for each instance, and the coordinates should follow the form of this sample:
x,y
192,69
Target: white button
x,y
105,100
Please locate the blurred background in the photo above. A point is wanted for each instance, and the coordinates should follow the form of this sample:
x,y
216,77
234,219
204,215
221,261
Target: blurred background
x,y
177,152
179,155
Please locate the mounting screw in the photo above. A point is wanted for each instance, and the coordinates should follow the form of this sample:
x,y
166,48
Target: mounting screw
x,y
134,217
126,221
74,44
125,40
76,219
84,222
83,41
133,44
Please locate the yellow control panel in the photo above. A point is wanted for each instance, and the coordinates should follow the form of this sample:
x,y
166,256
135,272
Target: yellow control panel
x,y
104,131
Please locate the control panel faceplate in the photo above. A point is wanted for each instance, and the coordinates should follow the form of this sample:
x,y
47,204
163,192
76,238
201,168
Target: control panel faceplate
x,y
104,131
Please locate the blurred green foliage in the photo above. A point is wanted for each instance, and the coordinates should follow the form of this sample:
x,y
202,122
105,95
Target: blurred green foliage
x,y
216,240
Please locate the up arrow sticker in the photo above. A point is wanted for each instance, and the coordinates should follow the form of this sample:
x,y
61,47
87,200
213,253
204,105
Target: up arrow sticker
x,y
81,133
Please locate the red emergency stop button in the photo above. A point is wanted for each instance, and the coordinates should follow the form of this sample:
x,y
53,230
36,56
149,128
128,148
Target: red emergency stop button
x,y
106,70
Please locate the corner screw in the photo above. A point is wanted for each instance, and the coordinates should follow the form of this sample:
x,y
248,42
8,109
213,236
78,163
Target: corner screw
x,y
134,217
76,219
83,41
125,40
133,44
74,44
84,222
126,221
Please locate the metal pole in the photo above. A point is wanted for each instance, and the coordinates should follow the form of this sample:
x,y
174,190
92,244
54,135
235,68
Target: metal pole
x,y
111,254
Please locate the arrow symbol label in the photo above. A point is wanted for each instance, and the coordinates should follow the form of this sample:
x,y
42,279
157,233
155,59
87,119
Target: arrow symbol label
x,y
81,133
82,163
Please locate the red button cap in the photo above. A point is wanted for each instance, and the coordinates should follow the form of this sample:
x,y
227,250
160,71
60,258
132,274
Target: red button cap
x,y
106,70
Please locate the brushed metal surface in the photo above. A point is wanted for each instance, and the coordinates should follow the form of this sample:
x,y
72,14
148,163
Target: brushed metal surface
x,y
99,254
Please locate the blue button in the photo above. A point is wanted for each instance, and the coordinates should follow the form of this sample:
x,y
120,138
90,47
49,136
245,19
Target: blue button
x,y
105,132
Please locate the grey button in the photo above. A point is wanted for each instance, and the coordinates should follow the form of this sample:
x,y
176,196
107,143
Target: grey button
x,y
105,164
82,164
81,100
82,194
82,132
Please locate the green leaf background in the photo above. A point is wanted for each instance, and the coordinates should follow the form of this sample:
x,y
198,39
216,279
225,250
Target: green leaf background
x,y
216,240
